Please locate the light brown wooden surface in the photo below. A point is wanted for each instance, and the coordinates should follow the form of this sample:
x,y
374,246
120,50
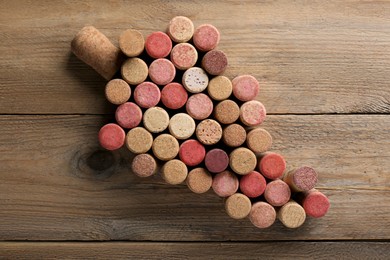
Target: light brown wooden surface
x,y
313,58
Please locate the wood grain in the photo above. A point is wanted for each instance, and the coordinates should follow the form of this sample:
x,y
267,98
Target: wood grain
x,y
137,250
309,56
57,184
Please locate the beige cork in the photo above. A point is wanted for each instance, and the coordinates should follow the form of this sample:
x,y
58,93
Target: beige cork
x,y
174,172
259,140
292,215
165,147
117,91
242,161
220,88
180,29
96,50
131,43
234,135
238,206
139,140
182,126
156,119
227,112
134,71
199,180
209,132
144,165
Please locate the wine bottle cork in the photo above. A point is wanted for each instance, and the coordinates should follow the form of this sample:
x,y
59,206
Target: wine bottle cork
x,y
144,165
117,91
315,203
252,113
262,214
259,140
128,115
96,50
174,172
214,62
242,160
195,80
220,88
277,193
206,37
174,96
225,184
245,87
227,112
192,152
199,180
165,147
147,94
184,56
139,140
253,184
158,45
272,165
234,135
162,71
301,179
292,215
208,132
111,136
238,206
180,29
156,119
181,126
131,42
134,71
216,160
199,106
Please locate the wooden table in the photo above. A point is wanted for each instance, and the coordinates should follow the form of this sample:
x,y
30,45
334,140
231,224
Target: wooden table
x,y
324,70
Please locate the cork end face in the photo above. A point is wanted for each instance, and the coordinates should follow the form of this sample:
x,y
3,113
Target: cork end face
x,y
305,178
316,204
262,215
292,215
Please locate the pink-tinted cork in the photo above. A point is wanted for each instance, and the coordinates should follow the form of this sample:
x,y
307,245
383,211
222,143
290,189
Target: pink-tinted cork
x,y
206,37
245,87
262,214
216,160
316,204
184,56
272,165
225,184
277,193
174,95
252,113
147,94
158,45
253,184
162,71
128,115
192,152
214,62
301,179
111,136
199,106
144,165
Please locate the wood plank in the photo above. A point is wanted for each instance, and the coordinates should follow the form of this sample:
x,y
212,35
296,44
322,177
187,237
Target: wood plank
x,y
309,56
137,250
57,184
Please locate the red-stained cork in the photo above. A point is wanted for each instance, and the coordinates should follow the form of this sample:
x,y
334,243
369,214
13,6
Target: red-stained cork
x,y
111,136
162,71
199,106
96,50
253,184
225,183
252,113
180,29
316,204
272,165
158,45
216,160
262,214
128,115
277,193
192,152
301,179
147,94
174,95
214,62
245,87
184,56
206,37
